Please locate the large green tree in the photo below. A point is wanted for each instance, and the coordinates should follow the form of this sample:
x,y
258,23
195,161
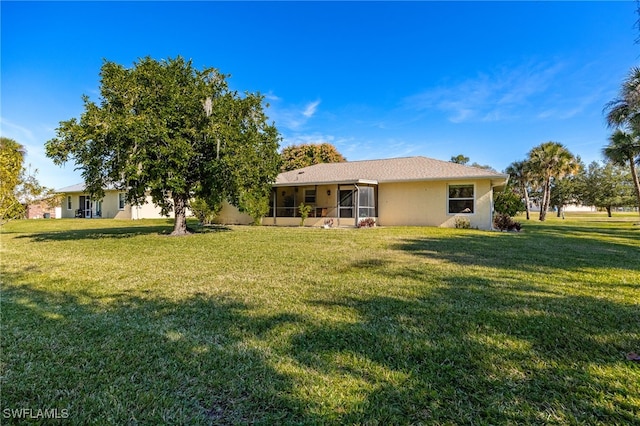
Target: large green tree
x,y
304,155
11,160
550,161
623,114
605,186
172,131
624,150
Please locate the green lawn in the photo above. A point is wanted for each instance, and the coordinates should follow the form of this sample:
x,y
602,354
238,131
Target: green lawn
x,y
116,322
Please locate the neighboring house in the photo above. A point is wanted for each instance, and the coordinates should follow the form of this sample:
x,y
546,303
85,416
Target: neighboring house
x,y
415,191
78,203
42,209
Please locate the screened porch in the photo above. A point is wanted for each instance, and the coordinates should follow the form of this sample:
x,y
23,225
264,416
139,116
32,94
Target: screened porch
x,y
331,204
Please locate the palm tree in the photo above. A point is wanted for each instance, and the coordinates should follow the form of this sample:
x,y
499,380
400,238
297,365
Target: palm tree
x,y
623,149
551,160
521,177
624,115
624,111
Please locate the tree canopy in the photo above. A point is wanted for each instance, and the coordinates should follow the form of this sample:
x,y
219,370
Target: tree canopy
x,y
304,155
605,186
623,114
169,130
11,160
550,161
459,159
624,150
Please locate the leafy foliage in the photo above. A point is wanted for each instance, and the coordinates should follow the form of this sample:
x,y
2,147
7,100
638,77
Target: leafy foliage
x,y
462,223
504,222
204,211
304,210
623,113
508,202
175,132
304,155
605,186
624,150
11,159
19,186
459,159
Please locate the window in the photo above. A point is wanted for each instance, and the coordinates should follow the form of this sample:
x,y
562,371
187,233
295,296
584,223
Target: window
x,y
461,199
69,202
121,200
309,196
366,202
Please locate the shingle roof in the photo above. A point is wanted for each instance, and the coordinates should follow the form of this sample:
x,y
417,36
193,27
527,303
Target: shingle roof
x,y
80,187
405,169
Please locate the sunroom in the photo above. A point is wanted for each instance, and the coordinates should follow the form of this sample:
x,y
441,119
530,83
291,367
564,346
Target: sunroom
x,y
343,204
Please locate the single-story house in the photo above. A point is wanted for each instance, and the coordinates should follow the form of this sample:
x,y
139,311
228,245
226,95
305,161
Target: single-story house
x,y
78,203
416,191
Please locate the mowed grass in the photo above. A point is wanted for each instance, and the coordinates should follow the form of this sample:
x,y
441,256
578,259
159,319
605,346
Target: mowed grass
x,y
119,323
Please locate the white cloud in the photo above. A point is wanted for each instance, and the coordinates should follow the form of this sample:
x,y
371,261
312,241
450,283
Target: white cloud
x,y
310,109
496,96
291,117
11,130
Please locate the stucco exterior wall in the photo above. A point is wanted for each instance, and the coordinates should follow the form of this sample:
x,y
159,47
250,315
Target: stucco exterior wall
x,y
425,204
110,208
230,215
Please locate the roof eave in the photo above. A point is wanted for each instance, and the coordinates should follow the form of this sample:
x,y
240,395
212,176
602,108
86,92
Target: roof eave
x,y
328,182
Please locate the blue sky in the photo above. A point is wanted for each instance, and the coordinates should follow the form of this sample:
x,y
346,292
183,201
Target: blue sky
x,y
489,80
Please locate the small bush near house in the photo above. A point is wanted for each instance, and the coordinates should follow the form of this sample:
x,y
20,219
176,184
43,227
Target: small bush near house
x,y
304,212
504,222
508,202
367,223
462,223
203,211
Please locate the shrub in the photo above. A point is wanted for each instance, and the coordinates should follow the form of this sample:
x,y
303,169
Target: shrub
x,y
367,223
462,223
508,202
504,222
203,210
304,212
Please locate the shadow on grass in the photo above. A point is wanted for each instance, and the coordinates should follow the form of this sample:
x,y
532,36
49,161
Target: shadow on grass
x,y
553,247
117,232
131,358
466,353
460,353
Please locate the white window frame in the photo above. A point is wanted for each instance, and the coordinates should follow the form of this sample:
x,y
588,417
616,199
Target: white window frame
x,y
69,203
122,201
449,212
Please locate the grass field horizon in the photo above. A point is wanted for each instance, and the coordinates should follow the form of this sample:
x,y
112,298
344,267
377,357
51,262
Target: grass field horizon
x,y
114,321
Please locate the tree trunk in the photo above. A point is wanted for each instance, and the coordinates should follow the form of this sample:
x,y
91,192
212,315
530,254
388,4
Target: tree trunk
x,y
636,183
559,214
526,200
179,209
608,211
546,195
